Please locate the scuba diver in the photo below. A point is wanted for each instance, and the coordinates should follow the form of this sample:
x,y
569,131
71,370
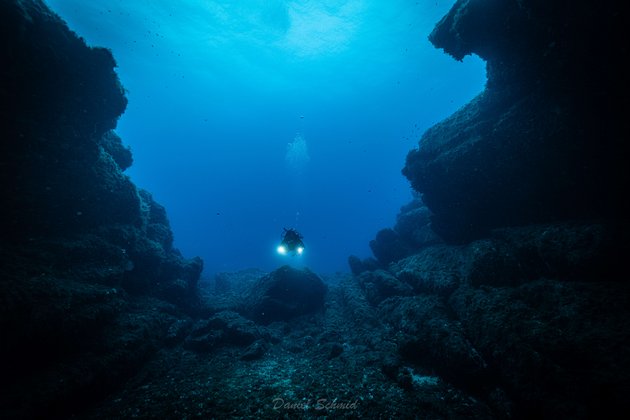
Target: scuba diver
x,y
291,242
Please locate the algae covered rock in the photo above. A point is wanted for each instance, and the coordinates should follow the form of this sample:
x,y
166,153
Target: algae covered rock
x,y
285,294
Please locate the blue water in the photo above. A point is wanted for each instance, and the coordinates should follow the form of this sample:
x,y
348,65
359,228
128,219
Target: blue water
x,y
219,89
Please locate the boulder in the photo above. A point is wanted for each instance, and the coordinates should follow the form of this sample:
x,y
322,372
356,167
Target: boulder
x,y
358,266
413,224
379,285
437,269
388,247
285,294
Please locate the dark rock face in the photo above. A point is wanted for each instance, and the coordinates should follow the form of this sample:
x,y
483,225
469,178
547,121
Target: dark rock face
x,y
68,202
525,306
558,347
429,336
509,257
63,99
532,320
543,142
285,294
89,279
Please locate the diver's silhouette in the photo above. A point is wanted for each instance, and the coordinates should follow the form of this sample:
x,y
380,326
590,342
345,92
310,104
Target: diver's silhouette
x,y
291,241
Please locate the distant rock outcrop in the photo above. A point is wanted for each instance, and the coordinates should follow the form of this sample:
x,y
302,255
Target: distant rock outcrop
x,y
411,233
545,140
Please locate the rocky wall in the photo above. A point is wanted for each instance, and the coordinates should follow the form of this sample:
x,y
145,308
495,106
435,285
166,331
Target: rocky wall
x,y
544,140
89,280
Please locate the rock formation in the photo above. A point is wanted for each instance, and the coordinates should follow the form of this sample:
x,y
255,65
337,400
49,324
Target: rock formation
x,y
284,294
524,304
499,293
90,279
545,140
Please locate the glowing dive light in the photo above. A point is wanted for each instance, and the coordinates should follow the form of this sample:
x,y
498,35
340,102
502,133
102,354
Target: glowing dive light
x,y
300,250
282,250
